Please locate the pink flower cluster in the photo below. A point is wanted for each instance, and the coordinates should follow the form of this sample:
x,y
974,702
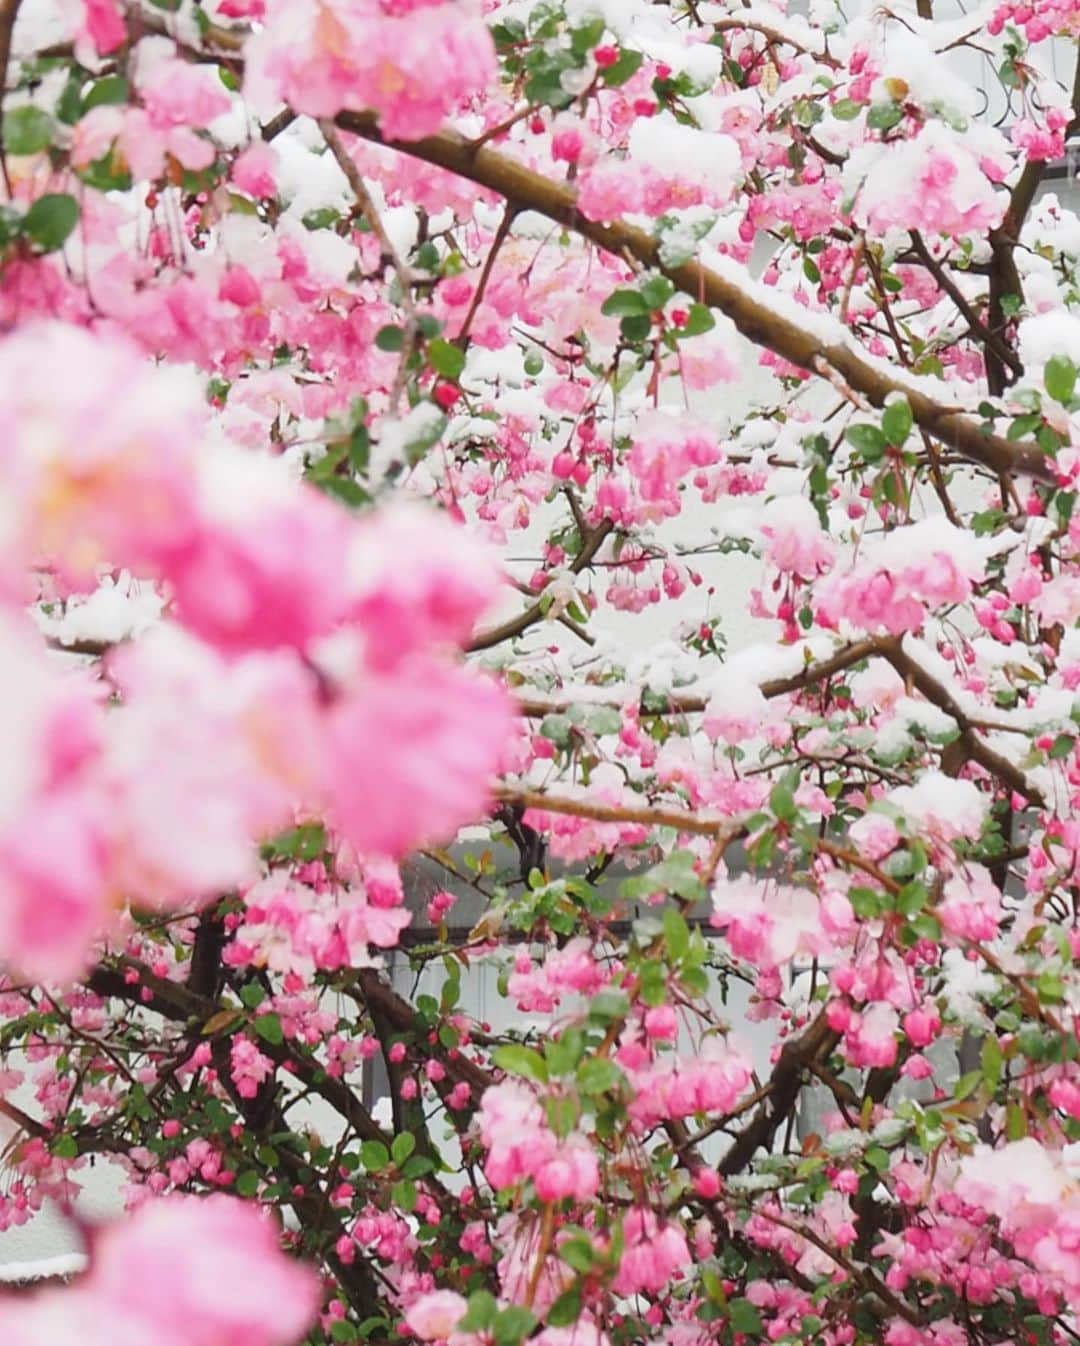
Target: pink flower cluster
x,y
521,1146
232,725
159,1277
412,64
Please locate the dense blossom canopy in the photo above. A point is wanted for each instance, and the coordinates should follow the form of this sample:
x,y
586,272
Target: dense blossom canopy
x,y
624,454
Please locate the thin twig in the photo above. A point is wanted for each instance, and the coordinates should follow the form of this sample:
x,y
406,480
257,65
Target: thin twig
x,y
405,279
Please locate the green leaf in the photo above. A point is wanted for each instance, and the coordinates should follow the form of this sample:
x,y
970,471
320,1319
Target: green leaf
x,y
578,1253
884,116
27,130
967,1084
110,89
912,898
417,1166
566,1310
65,1147
446,359
325,217
635,327
252,995
866,903
402,1147
517,1059
992,1061
403,1195
869,441
699,319
744,1317
676,934
624,303
598,1075
608,1004
846,109
342,1330
50,220
374,1156
480,1314
1060,378
897,421
620,71
656,291
268,1027
247,1184
564,1052
513,1325
782,802
389,338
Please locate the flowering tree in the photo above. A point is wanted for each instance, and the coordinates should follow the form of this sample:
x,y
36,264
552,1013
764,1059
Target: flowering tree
x,y
317,314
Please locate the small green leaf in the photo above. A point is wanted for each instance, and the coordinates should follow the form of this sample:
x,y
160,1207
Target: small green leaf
x,y
517,1059
598,1075
897,421
624,68
866,903
676,934
389,338
578,1253
247,1184
992,1061
27,130
608,1004
50,220
869,441
656,291
624,303
268,1027
480,1314
446,359
65,1147
699,319
403,1194
744,1317
374,1156
782,802
884,116
402,1147
564,1052
1060,379
110,89
635,327
846,109
566,1309
512,1325
252,995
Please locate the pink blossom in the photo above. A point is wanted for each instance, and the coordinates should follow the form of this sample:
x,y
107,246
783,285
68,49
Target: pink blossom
x,y
410,755
411,66
795,540
434,1316
158,1276
653,1253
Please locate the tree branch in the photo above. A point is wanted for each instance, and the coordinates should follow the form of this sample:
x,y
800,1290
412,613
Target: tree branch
x,y
753,316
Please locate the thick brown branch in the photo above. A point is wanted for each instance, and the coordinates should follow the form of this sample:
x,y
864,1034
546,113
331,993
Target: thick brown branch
x,y
755,319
